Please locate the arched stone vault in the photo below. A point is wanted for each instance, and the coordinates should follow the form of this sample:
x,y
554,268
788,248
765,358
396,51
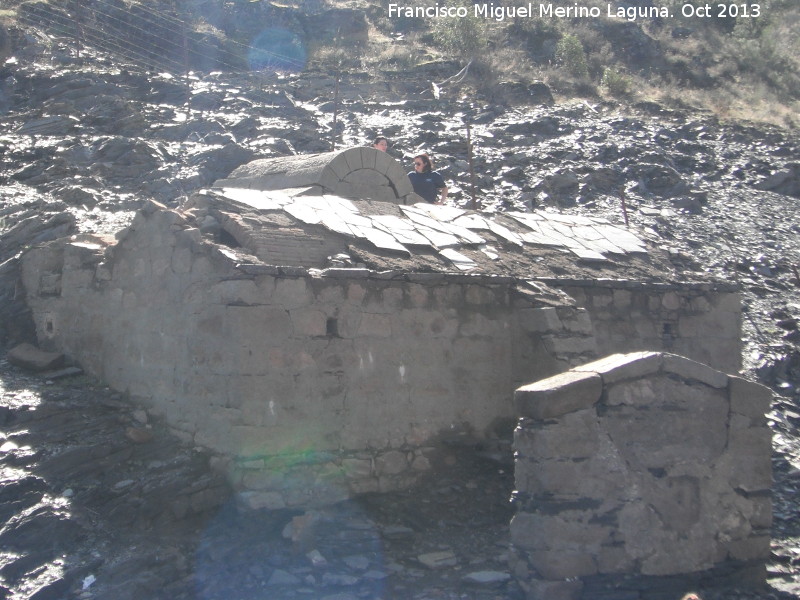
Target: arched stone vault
x,y
359,173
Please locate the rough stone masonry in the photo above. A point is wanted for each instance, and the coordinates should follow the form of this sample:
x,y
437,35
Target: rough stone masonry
x,y
641,473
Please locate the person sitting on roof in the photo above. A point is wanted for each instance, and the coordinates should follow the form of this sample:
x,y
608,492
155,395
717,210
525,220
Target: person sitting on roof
x,y
426,182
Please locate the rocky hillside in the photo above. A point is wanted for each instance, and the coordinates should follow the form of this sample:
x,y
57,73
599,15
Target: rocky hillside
x,y
99,501
737,59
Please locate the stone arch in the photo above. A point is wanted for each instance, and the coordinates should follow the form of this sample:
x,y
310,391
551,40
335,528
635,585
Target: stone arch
x,y
358,173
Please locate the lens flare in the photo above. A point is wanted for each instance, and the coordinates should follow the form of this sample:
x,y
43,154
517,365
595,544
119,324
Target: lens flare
x,y
277,49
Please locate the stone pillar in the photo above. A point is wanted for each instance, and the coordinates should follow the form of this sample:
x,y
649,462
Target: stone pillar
x,y
640,473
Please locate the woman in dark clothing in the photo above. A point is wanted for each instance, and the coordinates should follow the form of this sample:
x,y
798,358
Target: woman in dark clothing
x,y
427,183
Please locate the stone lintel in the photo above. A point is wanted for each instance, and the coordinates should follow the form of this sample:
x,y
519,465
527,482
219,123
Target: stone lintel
x,y
355,273
618,367
558,395
690,369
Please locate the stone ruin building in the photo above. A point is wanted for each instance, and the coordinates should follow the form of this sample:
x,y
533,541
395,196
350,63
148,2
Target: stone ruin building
x,y
323,333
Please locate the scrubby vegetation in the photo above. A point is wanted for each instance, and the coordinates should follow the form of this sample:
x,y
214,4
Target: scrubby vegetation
x,y
744,67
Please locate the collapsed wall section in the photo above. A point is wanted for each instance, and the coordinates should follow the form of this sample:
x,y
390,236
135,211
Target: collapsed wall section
x,y
639,475
310,385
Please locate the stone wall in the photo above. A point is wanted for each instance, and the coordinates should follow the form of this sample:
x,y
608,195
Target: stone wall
x,y
701,321
640,473
310,384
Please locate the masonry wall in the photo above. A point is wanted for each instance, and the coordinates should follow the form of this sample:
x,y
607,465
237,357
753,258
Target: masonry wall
x,y
643,475
310,385
701,321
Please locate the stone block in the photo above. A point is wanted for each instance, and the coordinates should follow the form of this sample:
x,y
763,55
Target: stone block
x,y
364,486
28,356
262,480
533,360
354,159
689,369
750,467
761,512
654,303
329,180
727,302
368,158
421,462
716,325
348,322
356,292
391,463
573,344
542,589
418,295
589,481
558,395
339,166
478,325
671,301
601,298
292,292
577,321
330,293
234,291
566,529
624,366
262,500
574,438
181,260
622,299
753,548
750,399
392,299
700,304
563,563
357,468
241,322
614,559
308,322
50,284
538,320
665,422
478,295
373,325
383,161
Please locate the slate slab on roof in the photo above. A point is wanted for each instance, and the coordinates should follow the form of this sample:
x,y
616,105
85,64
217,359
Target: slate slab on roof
x,y
426,237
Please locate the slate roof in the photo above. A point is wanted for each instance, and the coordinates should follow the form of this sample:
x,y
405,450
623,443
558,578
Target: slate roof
x,y
429,237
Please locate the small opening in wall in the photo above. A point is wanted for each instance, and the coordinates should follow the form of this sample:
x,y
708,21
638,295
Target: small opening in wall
x,y
666,331
49,327
332,327
226,239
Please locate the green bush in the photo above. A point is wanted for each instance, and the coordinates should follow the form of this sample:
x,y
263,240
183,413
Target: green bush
x,y
464,37
571,56
617,84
